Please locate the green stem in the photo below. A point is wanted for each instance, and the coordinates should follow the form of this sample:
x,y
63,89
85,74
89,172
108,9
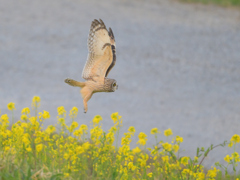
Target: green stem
x,y
206,156
36,109
156,139
117,137
234,169
12,117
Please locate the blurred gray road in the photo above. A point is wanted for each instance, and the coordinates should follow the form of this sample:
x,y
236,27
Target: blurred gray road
x,y
178,65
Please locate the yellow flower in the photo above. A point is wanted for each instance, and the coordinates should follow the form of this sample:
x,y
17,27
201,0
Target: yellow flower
x,y
66,156
78,132
24,125
11,106
113,129
142,141
110,137
196,159
61,111
168,132
6,148
142,138
235,138
200,176
175,148
38,140
29,149
46,115
131,129
184,160
84,127
179,139
80,150
74,124
142,135
97,119
154,131
4,118
36,98
39,147
235,155
227,158
35,101
24,117
149,174
50,129
25,139
185,171
165,159
114,116
212,173
33,120
86,146
136,150
66,175
73,112
131,166
125,141
167,146
61,120
25,110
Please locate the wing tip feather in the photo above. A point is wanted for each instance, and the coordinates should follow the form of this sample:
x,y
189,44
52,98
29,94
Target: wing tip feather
x,y
96,22
110,33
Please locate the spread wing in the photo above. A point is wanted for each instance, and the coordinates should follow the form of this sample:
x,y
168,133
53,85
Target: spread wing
x,y
102,54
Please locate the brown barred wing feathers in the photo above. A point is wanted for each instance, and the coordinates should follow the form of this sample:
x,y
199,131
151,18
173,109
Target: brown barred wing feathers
x,y
100,56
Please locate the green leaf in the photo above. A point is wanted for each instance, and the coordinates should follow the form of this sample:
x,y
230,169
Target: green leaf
x,y
173,155
23,175
94,161
114,174
56,176
199,155
211,146
29,174
197,151
205,154
191,162
8,176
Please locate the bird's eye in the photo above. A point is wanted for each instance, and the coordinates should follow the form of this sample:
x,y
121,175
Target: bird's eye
x,y
114,84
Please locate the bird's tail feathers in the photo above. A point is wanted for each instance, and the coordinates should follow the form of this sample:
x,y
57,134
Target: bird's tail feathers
x,y
72,82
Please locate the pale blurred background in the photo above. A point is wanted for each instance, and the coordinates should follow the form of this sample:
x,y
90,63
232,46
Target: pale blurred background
x,y
178,65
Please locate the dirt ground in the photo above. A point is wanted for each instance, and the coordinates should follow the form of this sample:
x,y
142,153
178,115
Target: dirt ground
x,y
178,65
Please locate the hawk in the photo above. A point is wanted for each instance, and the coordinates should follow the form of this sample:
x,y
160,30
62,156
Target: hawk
x,y
100,61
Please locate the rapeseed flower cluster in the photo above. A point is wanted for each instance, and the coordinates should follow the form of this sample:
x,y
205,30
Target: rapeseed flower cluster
x,y
76,151
11,106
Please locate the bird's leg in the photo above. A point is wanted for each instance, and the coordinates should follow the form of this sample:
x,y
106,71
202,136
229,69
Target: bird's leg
x,y
86,95
85,100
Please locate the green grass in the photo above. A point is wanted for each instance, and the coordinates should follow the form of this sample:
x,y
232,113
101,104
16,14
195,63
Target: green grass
x,y
225,3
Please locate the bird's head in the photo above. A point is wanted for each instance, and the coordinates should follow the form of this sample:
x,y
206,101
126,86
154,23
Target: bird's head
x,y
114,86
110,85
